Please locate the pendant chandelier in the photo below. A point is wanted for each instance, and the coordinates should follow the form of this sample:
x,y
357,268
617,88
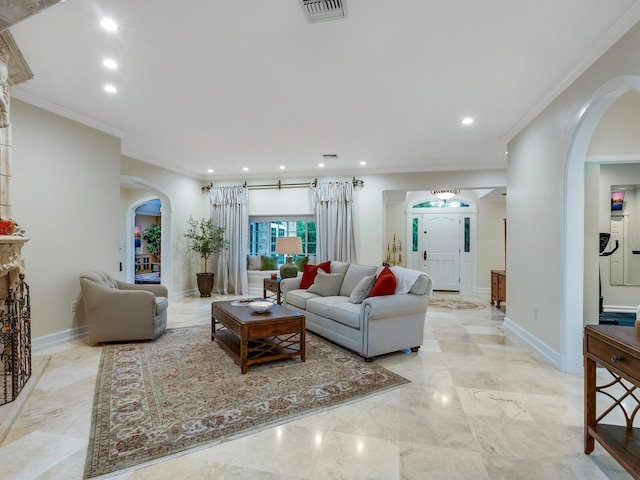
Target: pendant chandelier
x,y
445,194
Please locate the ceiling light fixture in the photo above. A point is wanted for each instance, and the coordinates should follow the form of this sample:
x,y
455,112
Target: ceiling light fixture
x,y
321,165
467,121
363,163
110,89
282,167
445,194
109,25
109,63
210,170
245,169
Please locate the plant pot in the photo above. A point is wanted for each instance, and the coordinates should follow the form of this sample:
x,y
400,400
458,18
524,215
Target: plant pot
x,y
205,283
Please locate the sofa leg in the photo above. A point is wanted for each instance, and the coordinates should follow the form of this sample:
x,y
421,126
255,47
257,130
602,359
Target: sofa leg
x,y
415,349
369,359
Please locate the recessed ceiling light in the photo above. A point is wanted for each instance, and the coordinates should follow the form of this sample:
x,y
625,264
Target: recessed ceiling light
x,y
245,169
110,89
363,162
210,170
109,63
282,167
109,24
321,165
467,121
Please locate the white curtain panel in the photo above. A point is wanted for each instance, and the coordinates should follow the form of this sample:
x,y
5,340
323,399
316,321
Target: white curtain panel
x,y
334,222
230,210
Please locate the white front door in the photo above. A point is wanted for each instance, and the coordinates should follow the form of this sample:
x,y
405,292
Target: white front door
x,y
441,254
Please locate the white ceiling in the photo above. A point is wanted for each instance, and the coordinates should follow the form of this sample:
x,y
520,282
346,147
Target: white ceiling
x,y
223,85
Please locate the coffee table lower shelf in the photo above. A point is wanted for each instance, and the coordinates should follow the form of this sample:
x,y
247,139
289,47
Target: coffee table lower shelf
x,y
258,350
251,339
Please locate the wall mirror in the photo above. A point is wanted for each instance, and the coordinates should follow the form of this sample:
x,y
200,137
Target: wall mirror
x,y
625,229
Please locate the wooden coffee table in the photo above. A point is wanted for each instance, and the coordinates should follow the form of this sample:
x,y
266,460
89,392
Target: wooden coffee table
x,y
251,338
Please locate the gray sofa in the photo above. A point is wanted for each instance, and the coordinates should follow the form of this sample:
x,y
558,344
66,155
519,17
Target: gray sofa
x,y
377,325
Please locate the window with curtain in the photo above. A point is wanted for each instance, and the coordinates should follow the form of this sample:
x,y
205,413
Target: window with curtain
x,y
264,231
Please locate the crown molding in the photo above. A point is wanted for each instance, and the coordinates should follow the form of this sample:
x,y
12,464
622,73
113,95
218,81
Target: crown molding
x,y
611,36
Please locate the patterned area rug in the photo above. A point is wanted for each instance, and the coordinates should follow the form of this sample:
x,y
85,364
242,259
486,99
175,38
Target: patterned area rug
x,y
182,391
455,304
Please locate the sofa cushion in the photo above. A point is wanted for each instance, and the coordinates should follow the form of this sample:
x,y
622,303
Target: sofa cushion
x,y
269,263
339,267
362,290
346,313
385,283
310,272
336,308
298,298
254,262
354,274
327,284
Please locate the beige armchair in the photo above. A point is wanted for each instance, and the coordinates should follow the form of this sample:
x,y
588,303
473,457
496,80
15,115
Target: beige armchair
x,y
118,311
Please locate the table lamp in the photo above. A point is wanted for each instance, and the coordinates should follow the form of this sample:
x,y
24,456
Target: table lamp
x,y
288,246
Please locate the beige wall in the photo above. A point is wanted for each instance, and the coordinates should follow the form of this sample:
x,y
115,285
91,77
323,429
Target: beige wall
x,y
65,185
491,247
537,179
182,196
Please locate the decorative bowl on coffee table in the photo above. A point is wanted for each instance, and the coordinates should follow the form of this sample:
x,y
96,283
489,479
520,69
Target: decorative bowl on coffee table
x,y
261,307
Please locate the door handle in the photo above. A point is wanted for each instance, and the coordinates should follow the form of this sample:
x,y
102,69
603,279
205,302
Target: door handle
x,y
424,255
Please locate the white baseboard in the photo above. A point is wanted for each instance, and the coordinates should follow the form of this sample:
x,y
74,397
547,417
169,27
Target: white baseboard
x,y
184,293
481,292
549,354
42,343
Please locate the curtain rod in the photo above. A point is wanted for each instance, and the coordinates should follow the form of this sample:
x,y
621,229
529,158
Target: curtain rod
x,y
279,185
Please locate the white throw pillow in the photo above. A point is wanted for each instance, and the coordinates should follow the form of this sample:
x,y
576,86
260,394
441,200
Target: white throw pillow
x,y
326,284
255,262
362,289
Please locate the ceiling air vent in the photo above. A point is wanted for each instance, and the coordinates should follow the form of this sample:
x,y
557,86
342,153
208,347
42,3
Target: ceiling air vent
x,y
330,156
321,10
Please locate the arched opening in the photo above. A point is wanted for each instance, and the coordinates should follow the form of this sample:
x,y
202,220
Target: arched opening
x,y
147,225
129,226
574,222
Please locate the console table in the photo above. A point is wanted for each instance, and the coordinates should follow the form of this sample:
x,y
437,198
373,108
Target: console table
x,y
617,349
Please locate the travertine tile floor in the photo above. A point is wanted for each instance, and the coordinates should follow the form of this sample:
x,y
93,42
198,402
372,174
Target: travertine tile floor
x,y
480,405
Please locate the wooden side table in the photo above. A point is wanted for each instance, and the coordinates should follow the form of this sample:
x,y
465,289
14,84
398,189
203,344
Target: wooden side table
x,y
617,349
272,285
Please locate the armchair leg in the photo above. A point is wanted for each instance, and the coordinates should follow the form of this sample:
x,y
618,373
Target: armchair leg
x,y
415,349
369,359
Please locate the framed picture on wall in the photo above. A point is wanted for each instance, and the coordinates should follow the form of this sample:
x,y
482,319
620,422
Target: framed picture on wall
x,y
137,234
617,200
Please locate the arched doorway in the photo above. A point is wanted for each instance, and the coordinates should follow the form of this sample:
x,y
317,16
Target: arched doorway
x,y
167,241
574,210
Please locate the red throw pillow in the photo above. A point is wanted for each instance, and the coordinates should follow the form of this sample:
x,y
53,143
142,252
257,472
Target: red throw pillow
x,y
385,283
310,271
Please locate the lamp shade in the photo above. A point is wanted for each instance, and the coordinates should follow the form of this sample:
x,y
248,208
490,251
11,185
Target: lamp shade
x,y
288,245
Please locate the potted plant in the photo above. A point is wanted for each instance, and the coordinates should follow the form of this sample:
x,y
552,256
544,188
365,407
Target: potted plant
x,y
152,235
205,238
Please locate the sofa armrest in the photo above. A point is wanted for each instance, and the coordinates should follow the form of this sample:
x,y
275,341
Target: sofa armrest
x,y
288,284
396,305
157,289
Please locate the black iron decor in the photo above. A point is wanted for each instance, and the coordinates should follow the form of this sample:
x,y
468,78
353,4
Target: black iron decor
x,y
15,341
